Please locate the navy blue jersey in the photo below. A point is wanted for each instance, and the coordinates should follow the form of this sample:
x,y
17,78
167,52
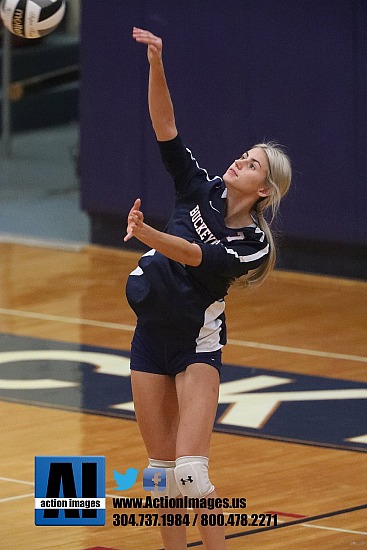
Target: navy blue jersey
x,y
185,303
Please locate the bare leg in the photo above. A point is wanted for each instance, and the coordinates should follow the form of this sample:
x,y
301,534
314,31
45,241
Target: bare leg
x,y
197,391
156,410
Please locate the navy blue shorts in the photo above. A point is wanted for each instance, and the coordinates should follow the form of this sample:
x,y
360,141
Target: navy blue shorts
x,y
162,356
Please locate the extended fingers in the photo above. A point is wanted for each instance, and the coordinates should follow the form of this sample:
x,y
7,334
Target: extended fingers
x,y
146,37
135,220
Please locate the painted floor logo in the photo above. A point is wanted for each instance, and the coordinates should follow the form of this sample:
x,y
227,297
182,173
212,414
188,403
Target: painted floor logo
x,y
254,402
70,490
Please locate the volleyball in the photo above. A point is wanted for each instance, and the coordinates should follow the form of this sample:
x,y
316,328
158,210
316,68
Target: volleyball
x,y
32,18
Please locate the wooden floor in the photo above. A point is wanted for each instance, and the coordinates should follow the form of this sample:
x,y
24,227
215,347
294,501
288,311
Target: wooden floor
x,y
295,323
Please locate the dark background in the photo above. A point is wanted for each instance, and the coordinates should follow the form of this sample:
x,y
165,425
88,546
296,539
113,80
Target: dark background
x,y
239,72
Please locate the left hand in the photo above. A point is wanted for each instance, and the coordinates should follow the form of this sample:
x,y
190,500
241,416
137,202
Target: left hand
x,y
135,221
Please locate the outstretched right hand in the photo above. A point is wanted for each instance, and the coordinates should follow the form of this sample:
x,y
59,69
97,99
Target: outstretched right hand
x,y
153,42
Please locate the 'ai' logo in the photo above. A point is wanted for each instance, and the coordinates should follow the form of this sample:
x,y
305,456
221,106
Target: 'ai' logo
x,y
70,490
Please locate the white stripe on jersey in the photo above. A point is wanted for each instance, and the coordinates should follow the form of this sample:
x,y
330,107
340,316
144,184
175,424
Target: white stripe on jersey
x,y
209,335
150,252
258,230
138,270
249,257
199,167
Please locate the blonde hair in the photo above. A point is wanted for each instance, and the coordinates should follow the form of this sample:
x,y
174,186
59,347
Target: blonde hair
x,y
278,180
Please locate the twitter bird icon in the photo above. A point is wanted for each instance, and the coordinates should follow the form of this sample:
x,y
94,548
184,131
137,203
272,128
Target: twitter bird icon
x,y
126,480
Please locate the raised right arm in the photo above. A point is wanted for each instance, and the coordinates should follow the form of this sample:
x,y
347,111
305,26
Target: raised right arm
x,y
159,99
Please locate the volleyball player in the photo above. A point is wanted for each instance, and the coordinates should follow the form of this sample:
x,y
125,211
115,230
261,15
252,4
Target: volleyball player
x,y
216,235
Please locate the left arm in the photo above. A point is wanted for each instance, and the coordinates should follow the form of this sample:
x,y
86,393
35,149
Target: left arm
x,y
174,248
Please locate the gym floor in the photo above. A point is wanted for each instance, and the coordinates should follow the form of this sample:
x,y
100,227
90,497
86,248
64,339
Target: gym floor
x,y
290,434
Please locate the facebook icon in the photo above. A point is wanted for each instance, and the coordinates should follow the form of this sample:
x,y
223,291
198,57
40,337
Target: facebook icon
x,y
154,479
